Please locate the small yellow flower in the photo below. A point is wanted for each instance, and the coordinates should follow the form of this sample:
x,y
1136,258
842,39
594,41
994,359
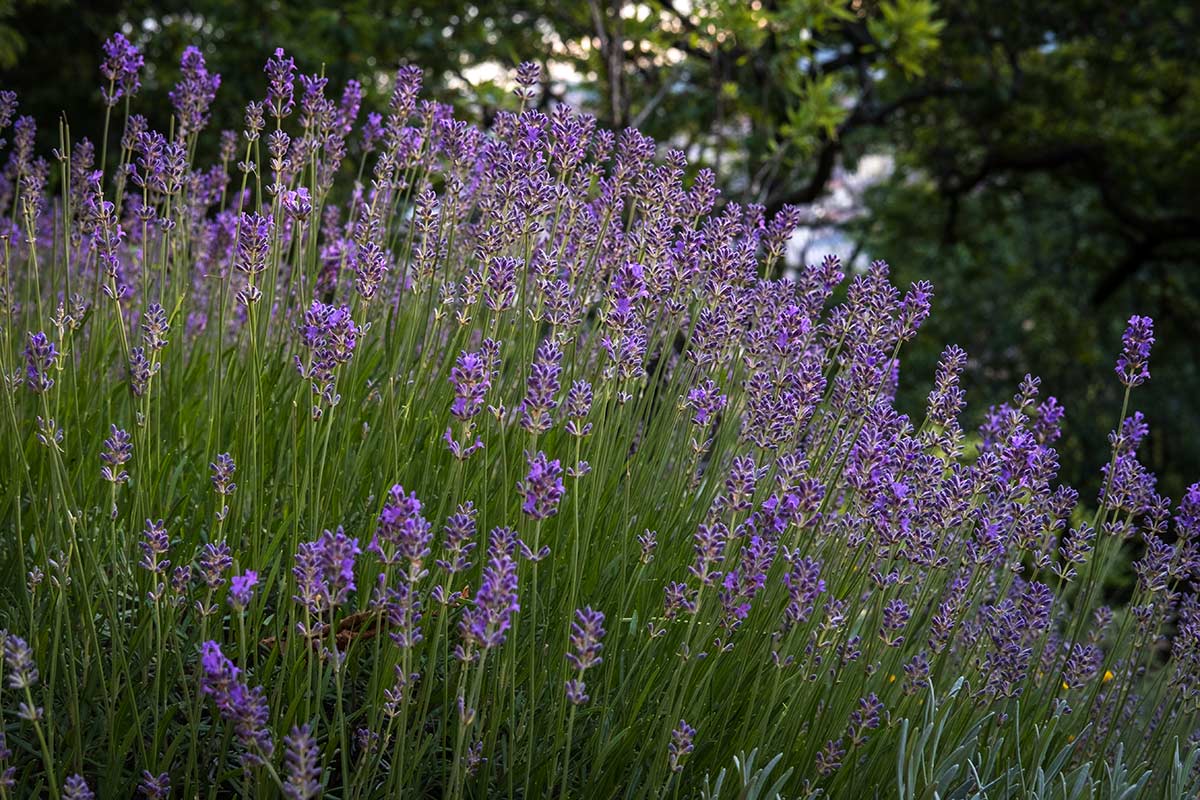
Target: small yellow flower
x,y
1108,675
891,678
1066,685
1071,737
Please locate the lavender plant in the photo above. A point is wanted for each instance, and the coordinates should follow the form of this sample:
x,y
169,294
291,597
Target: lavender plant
x,y
394,456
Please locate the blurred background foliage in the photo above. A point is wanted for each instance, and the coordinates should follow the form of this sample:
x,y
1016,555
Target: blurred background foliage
x,y
1039,162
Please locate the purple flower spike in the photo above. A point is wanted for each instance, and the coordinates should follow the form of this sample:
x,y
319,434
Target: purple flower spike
x,y
76,788
215,560
122,68
895,616
18,657
330,336
458,544
543,385
118,449
705,402
543,487
141,370
829,760
301,763
194,93
681,745
1133,365
710,541
281,72
404,531
485,623
804,585
40,355
325,571
155,787
246,708
471,377
154,544
864,718
222,475
579,405
528,75
155,327
254,244
586,632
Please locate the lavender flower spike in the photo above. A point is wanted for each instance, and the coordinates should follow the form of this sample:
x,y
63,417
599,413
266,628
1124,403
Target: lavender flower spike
x,y
76,788
301,763
194,93
543,487
121,67
1133,365
40,355
681,745
586,632
246,708
155,787
118,449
